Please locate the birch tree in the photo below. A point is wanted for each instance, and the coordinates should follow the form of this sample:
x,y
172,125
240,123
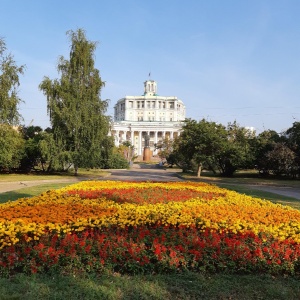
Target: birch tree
x,y
9,83
74,104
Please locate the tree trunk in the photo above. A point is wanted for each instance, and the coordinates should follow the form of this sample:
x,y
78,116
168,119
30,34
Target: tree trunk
x,y
76,170
199,170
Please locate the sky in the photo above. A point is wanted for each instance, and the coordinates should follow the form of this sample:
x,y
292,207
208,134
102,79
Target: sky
x,y
227,60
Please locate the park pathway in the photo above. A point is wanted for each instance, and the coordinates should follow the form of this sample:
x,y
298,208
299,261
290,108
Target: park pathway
x,y
145,172
142,172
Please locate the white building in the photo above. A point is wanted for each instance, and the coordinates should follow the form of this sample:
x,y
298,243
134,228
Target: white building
x,y
157,116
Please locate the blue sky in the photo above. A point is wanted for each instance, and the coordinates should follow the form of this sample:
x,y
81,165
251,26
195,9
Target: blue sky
x,y
227,60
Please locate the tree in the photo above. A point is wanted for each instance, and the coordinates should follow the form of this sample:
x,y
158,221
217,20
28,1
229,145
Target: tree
x,y
31,158
293,140
264,143
11,148
51,158
211,145
236,150
74,104
165,149
198,144
9,83
281,160
40,151
293,135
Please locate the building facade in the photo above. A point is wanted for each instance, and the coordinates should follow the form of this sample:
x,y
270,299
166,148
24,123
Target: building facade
x,y
159,117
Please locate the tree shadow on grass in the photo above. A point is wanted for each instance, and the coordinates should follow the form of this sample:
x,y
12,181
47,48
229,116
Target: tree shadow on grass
x,y
172,286
4,197
30,191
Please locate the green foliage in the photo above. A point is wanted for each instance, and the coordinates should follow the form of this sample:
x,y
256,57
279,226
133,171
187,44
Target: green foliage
x,y
11,148
293,137
211,145
51,158
278,154
264,143
116,161
9,83
236,150
165,148
281,160
74,105
198,144
32,155
41,152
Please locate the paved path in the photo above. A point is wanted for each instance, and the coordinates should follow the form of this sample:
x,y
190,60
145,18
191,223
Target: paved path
x,y
136,173
280,190
145,173
289,191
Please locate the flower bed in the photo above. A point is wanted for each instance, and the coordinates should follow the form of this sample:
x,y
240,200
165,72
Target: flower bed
x,y
147,227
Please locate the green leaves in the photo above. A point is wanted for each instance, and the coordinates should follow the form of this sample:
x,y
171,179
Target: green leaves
x,y
9,83
74,103
211,145
11,147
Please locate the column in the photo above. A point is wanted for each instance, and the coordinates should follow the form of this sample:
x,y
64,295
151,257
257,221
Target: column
x,y
124,136
117,138
140,143
155,140
132,137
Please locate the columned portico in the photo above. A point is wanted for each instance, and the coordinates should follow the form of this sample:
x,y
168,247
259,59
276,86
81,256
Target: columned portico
x,y
139,129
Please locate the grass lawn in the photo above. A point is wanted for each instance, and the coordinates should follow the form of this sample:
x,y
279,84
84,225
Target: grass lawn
x,y
242,178
167,287
90,173
280,199
31,177
245,182
30,191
